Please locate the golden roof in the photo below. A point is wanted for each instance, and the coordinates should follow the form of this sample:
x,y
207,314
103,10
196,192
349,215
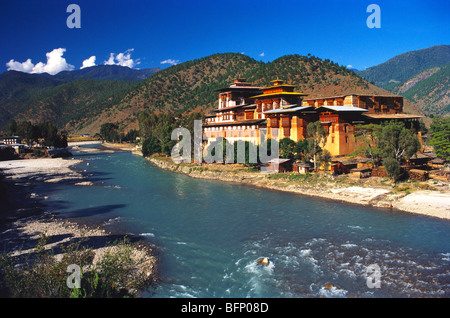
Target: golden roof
x,y
280,93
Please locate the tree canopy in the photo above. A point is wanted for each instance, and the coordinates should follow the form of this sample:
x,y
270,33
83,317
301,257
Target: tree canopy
x,y
317,137
396,143
45,131
440,140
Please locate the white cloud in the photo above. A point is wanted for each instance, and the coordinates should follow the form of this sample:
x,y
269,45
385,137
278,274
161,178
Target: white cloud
x,y
55,64
88,62
122,59
170,61
349,66
26,66
262,54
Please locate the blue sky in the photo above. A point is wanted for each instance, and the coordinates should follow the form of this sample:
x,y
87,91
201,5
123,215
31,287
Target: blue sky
x,y
142,34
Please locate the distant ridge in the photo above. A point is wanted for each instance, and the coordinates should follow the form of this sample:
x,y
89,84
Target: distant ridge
x,y
45,96
402,67
105,73
421,76
191,86
83,105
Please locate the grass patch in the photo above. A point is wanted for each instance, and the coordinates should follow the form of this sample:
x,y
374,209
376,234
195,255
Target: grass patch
x,y
117,274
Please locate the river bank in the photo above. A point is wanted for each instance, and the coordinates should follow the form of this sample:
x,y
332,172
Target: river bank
x,y
427,198
24,218
106,147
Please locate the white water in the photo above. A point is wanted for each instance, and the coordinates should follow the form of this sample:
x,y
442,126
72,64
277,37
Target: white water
x,y
210,234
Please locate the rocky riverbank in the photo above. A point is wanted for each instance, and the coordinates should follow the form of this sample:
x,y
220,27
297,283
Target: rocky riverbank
x,y
428,198
24,218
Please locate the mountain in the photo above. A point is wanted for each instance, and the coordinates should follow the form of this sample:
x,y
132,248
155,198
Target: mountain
x,y
18,91
69,102
191,86
421,76
83,105
401,68
106,73
431,93
35,96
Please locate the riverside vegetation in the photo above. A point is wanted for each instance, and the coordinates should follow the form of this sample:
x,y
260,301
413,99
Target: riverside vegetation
x,y
37,247
83,105
388,144
117,274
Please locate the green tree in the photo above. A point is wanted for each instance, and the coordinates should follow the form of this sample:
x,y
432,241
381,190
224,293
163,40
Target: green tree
x,y
325,159
150,146
440,140
25,130
396,143
217,151
287,148
248,147
393,168
109,132
188,122
317,137
49,132
163,131
130,136
367,137
11,127
158,128
301,149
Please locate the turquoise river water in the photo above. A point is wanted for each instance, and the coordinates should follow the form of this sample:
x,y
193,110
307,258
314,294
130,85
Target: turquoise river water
x,y
209,235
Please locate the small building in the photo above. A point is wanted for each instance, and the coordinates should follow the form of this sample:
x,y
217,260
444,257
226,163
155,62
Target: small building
x,y
342,166
345,165
437,163
10,140
362,172
280,165
419,159
301,167
18,148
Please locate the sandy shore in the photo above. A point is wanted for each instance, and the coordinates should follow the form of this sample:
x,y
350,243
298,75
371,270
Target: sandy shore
x,y
80,143
61,233
24,217
434,203
44,169
104,147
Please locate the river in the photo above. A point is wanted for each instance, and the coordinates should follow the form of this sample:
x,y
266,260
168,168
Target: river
x,y
210,234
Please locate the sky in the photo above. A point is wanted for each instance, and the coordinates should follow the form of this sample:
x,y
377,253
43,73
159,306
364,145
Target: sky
x,y
35,36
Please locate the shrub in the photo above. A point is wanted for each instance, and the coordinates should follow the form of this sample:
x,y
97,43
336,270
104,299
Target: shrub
x,y
43,276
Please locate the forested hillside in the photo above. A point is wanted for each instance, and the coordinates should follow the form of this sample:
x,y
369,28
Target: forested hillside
x,y
432,94
421,76
402,67
82,106
191,86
